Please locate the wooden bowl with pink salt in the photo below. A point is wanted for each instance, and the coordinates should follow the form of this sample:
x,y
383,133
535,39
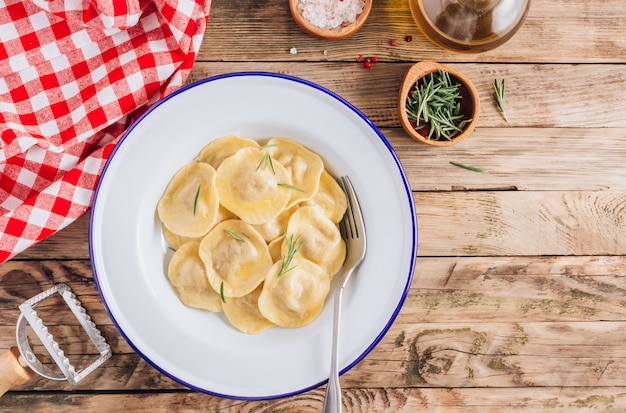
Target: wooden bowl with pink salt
x,y
330,19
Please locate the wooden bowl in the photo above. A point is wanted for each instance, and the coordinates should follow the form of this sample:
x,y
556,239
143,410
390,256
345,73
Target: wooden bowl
x,y
331,34
470,102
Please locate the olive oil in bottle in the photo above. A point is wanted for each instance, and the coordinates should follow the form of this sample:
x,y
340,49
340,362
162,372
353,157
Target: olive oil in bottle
x,y
469,26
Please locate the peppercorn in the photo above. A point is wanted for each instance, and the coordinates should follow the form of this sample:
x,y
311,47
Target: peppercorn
x,y
367,63
374,59
392,42
408,38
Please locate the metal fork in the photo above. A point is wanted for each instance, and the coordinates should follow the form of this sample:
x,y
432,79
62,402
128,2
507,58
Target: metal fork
x,y
353,232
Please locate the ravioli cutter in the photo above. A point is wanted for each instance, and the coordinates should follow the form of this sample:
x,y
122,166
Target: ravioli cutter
x,y
18,364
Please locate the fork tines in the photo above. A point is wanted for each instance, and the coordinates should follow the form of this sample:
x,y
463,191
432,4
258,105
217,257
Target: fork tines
x,y
348,225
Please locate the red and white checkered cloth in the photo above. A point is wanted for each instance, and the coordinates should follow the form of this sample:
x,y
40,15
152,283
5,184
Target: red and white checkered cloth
x,y
73,75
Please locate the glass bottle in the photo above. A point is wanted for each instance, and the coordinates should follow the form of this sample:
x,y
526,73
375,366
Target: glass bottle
x,y
469,26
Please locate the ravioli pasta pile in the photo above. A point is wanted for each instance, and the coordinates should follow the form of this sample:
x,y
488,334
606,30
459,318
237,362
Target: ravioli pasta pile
x,y
255,232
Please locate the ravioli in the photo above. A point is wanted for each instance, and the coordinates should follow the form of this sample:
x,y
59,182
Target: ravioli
x,y
297,297
190,203
275,227
221,148
236,258
303,165
330,197
253,186
187,276
275,247
320,238
243,313
175,241
223,214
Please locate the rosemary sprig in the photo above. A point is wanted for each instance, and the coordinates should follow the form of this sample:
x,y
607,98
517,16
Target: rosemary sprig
x,y
234,236
435,102
469,168
222,292
292,249
195,201
295,188
267,159
498,93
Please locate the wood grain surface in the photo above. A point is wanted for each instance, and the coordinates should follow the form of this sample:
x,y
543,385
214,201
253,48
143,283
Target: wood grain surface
x,y
518,301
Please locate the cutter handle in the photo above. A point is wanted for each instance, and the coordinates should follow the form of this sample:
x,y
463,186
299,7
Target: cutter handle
x,y
12,372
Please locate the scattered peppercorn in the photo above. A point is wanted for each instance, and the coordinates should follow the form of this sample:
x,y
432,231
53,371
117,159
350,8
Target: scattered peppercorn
x,y
392,42
360,58
374,59
408,38
367,63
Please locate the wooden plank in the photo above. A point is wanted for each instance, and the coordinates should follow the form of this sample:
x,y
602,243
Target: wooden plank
x,y
546,96
521,223
378,399
495,354
585,33
572,159
547,288
516,289
452,355
468,223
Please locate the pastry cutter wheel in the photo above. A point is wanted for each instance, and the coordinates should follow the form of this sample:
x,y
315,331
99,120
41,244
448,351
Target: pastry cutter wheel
x,y
18,364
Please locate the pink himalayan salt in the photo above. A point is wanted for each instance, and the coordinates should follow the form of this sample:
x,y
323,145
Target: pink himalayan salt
x,y
331,14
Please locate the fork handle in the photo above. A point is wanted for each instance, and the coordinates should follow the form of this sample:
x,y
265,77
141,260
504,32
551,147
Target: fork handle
x,y
332,400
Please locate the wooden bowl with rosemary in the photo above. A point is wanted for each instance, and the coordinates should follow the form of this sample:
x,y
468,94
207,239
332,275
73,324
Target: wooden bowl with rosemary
x,y
342,31
437,104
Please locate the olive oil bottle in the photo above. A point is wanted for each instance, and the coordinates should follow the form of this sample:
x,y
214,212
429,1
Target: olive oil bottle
x,y
469,26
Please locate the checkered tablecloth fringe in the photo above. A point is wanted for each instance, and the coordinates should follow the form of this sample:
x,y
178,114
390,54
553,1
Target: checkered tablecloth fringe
x,y
73,75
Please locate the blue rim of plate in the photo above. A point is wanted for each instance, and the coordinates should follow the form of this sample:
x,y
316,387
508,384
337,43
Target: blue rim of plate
x,y
400,169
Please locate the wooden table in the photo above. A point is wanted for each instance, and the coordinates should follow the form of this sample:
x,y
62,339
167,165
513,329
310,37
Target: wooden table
x,y
518,302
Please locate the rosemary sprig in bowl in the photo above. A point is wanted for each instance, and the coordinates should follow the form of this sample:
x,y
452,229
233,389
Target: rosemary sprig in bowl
x,y
437,104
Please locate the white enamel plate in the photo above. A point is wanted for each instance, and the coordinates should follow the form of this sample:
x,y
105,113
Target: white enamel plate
x,y
200,349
